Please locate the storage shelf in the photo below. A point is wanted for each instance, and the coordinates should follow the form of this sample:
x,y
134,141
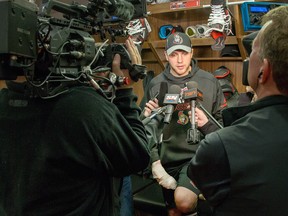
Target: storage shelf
x,y
165,8
213,59
230,40
149,60
220,59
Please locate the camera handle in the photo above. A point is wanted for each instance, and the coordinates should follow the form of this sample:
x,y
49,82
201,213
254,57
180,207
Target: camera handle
x,y
137,71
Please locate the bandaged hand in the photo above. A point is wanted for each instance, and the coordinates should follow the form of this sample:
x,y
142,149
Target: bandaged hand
x,y
162,177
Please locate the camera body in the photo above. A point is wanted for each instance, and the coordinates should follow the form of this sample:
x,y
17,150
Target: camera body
x,y
18,45
49,49
247,43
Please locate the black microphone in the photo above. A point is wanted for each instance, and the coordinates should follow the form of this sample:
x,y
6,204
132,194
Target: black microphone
x,y
162,92
191,95
171,98
194,88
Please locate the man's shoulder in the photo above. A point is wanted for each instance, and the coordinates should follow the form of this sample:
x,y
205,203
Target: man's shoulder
x,y
205,74
206,80
157,80
83,98
222,136
84,91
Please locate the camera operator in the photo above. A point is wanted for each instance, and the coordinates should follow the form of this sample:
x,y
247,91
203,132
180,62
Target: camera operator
x,y
64,155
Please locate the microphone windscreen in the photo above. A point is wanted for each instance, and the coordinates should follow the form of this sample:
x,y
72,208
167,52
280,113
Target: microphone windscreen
x,y
192,84
174,89
162,92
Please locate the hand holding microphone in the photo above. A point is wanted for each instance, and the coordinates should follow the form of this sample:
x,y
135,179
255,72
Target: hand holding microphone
x,y
157,101
200,117
191,95
151,110
150,106
135,59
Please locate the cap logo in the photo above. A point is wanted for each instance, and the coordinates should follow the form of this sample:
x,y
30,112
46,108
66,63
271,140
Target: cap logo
x,y
177,39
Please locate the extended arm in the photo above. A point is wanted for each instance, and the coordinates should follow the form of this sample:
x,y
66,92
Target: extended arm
x,y
209,169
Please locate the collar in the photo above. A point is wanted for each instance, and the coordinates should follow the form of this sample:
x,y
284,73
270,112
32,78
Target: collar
x,y
18,87
231,114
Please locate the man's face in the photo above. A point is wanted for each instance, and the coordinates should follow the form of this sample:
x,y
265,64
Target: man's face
x,y
255,64
179,61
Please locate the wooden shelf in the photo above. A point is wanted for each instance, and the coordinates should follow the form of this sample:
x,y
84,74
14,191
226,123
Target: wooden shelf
x,y
230,40
161,8
220,59
147,61
206,59
165,8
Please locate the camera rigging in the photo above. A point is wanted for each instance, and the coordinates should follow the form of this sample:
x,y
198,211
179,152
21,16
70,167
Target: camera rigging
x,y
57,53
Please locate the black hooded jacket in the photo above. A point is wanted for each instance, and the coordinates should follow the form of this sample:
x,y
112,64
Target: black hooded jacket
x,y
174,149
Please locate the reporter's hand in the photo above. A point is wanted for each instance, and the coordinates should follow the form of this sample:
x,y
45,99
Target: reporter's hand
x,y
162,177
200,117
133,51
121,72
135,59
150,106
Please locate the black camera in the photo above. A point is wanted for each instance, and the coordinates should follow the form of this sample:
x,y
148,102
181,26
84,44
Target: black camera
x,y
49,50
247,43
18,47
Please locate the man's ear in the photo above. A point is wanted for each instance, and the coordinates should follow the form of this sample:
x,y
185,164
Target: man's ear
x,y
166,55
265,71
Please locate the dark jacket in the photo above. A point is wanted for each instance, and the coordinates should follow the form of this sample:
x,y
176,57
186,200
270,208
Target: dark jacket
x,y
242,169
174,149
59,156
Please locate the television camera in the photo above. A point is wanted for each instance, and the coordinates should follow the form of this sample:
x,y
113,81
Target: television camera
x,y
54,53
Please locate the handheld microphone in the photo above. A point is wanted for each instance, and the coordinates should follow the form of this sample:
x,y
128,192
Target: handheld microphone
x,y
156,112
160,95
171,98
192,94
194,85
162,92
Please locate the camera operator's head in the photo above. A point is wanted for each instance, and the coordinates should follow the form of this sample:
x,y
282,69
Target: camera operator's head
x,y
269,57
